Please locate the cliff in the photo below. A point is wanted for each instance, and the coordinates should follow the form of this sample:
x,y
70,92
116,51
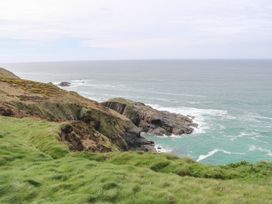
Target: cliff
x,y
40,124
87,125
150,120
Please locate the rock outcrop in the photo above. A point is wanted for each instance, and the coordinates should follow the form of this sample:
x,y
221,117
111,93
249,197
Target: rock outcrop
x,y
115,125
150,120
64,84
88,125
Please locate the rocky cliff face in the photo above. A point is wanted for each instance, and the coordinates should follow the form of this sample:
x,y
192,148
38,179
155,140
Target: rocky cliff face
x,y
87,125
150,120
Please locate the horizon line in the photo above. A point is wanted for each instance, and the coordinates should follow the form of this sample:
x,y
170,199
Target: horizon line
x,y
174,59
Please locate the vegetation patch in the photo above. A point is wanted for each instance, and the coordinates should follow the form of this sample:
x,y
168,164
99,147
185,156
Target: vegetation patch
x,y
36,167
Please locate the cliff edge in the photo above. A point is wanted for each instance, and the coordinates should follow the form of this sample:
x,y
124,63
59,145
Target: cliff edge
x,y
87,125
7,74
150,120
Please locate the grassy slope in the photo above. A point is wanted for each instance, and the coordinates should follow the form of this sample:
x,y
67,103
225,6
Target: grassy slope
x,y
22,98
5,73
37,168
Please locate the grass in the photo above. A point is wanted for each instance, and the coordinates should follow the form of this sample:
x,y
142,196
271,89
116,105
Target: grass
x,y
7,74
35,167
33,87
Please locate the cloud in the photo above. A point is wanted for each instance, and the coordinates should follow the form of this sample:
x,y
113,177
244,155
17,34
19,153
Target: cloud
x,y
140,25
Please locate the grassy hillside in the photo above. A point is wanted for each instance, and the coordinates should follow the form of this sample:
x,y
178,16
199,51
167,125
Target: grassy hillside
x,y
93,126
7,74
35,167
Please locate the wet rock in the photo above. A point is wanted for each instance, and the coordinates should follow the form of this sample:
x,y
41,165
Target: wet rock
x,y
64,84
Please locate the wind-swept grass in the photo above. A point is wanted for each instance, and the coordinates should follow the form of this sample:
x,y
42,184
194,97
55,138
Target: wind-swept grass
x,y
35,167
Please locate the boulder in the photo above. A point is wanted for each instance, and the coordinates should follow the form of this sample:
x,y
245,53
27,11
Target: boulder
x,y
64,84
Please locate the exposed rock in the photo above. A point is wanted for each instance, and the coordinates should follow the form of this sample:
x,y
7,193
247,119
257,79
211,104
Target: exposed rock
x,y
92,127
150,120
68,135
5,111
64,84
137,142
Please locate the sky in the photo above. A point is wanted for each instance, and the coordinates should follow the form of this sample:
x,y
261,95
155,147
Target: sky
x,y
59,30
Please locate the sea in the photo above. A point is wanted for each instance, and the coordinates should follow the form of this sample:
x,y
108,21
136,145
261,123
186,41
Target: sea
x,y
231,100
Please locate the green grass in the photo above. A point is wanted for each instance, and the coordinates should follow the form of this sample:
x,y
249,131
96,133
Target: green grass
x,y
35,167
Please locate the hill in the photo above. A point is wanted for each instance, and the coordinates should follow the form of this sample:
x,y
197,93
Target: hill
x,y
59,147
36,167
7,74
89,125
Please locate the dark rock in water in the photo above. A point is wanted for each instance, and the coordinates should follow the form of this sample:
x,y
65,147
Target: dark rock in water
x,y
150,120
64,83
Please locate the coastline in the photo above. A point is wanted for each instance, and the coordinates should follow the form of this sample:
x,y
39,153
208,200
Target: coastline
x,y
54,142
227,120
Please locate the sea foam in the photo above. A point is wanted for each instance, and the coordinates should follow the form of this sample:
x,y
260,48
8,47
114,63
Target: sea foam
x,y
253,148
214,151
161,149
200,115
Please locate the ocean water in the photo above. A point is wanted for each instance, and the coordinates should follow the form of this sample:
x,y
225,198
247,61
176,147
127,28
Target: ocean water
x,y
231,100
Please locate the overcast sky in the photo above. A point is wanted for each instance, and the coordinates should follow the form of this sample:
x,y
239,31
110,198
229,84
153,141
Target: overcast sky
x,y
52,30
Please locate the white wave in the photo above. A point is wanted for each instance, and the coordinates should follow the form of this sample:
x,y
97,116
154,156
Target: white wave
x,y
89,83
258,140
177,94
56,83
221,127
253,148
93,84
251,135
168,136
78,83
161,149
254,117
199,115
214,151
194,102
263,117
242,134
172,136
